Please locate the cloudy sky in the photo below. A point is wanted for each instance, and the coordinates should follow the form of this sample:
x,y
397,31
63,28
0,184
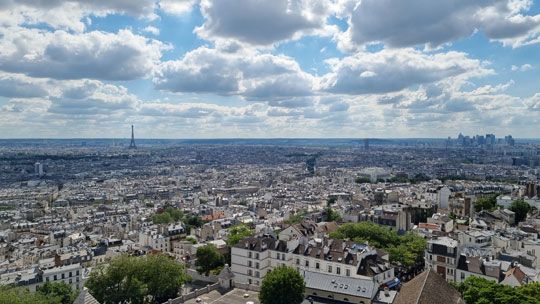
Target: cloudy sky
x,y
269,68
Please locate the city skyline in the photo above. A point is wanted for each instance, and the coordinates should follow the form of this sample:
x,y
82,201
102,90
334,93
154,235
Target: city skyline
x,y
269,69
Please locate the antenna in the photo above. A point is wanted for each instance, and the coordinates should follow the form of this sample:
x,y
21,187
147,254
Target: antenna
x,y
132,143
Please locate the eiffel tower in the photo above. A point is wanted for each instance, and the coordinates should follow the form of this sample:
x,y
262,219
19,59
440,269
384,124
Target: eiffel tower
x,y
132,143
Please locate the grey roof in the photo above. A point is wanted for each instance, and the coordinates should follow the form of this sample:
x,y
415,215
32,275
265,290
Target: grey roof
x,y
226,273
339,284
85,298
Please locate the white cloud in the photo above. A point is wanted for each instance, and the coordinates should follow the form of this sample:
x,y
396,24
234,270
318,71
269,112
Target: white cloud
x,y
397,23
247,73
67,14
263,22
177,7
63,55
394,70
522,68
152,30
14,85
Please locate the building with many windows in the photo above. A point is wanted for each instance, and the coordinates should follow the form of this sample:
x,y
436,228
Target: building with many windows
x,y
441,255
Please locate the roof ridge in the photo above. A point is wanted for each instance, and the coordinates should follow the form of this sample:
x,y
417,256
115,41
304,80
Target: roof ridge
x,y
423,284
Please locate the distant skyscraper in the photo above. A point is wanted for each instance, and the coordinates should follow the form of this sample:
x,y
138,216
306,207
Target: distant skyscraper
x,y
38,169
490,140
132,143
509,140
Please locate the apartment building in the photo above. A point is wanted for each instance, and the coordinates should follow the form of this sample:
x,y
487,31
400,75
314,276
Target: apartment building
x,y
441,255
252,258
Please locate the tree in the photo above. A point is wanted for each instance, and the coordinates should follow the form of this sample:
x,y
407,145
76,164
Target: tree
x,y
208,258
521,208
162,218
362,180
405,249
331,215
476,290
191,239
283,285
19,295
237,233
298,217
59,290
137,280
486,203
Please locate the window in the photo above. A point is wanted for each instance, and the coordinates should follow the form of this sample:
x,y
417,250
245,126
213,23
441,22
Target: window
x,y
283,256
55,278
63,276
463,275
249,281
431,257
277,255
70,274
307,263
257,255
47,279
249,264
348,272
257,274
257,265
249,254
250,272
297,261
329,268
317,265
77,272
338,270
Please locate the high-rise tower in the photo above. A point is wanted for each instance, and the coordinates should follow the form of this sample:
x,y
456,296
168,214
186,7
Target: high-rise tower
x,y
132,143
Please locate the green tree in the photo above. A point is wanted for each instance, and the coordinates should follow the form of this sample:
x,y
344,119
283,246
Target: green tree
x,y
406,250
362,180
19,295
237,233
296,218
191,239
486,203
521,208
59,290
476,290
208,258
331,215
162,218
283,285
137,280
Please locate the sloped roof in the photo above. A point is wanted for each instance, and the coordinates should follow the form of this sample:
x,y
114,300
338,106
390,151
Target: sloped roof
x,y
85,298
428,288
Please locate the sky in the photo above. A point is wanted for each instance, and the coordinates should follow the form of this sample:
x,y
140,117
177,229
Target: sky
x,y
269,68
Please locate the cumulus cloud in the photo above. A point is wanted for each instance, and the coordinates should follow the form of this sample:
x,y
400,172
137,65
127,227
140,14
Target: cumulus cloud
x,y
262,22
398,23
63,55
522,68
68,14
91,97
177,7
152,30
247,73
19,86
394,70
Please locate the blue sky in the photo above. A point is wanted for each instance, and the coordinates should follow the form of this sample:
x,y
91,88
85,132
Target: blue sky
x,y
269,68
